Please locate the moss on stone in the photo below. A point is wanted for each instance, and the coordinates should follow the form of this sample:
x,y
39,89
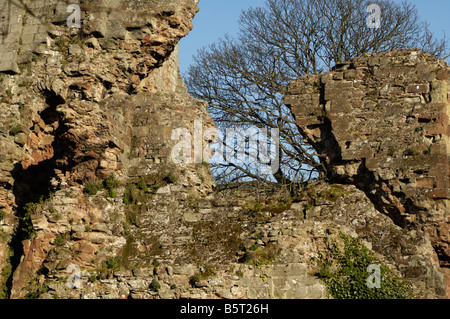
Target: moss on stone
x,y
334,192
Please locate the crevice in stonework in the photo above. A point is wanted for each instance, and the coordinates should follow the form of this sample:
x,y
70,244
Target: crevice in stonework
x,y
361,182
402,211
366,182
33,185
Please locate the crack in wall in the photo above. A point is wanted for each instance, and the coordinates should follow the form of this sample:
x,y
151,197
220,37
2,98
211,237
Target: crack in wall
x,y
323,113
32,185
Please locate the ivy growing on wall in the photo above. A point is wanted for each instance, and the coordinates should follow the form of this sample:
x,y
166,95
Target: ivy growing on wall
x,y
345,272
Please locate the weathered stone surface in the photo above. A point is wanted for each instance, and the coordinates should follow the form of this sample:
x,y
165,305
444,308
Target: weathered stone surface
x,y
79,105
381,122
297,238
87,172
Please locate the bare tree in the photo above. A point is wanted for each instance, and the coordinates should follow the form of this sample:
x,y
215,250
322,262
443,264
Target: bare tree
x,y
244,79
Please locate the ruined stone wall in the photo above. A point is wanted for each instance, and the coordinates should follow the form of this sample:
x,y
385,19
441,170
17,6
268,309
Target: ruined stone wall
x,y
87,179
193,247
381,122
78,105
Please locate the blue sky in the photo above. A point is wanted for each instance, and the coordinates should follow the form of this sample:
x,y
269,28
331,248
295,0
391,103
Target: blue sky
x,y
219,17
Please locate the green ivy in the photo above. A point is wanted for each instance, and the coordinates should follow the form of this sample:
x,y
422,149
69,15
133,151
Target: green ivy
x,y
26,226
170,178
110,184
142,185
112,263
155,285
93,187
345,273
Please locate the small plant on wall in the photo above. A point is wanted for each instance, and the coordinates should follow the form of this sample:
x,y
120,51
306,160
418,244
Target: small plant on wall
x,y
345,271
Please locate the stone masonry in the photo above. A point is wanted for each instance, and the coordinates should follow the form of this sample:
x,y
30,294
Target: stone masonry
x,y
381,122
88,182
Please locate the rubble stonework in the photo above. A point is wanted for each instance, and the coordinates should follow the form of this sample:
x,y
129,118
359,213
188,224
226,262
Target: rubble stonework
x,y
381,122
81,104
87,181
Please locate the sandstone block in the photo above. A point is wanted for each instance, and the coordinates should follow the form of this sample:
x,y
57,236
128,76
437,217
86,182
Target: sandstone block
x,y
8,62
138,284
192,217
187,270
21,139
